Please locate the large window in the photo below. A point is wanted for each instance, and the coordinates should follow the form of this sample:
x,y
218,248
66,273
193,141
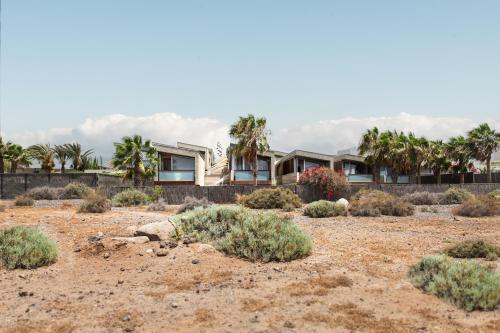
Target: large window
x,y
177,163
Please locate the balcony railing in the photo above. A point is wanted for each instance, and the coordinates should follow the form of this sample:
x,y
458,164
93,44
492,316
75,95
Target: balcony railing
x,y
401,179
176,176
248,175
360,178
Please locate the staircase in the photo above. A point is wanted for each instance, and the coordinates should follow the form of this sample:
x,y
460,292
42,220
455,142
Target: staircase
x,y
213,176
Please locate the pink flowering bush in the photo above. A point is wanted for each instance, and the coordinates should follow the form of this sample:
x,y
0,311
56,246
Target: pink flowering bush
x,y
329,181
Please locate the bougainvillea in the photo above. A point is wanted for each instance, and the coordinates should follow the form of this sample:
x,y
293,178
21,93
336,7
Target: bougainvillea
x,y
329,181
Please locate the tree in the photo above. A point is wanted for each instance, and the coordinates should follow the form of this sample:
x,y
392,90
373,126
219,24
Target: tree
x,y
4,148
44,154
74,151
61,154
367,147
416,150
436,159
482,142
136,157
251,135
459,154
18,156
396,151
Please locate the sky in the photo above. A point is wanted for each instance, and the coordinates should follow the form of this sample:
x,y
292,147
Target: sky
x,y
321,72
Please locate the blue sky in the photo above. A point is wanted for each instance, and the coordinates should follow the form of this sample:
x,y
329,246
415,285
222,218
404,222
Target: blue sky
x,y
296,62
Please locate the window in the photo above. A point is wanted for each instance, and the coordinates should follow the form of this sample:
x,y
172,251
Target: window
x,y
182,163
263,164
239,163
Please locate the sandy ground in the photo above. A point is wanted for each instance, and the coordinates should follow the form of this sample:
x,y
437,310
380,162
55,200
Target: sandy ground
x,y
354,281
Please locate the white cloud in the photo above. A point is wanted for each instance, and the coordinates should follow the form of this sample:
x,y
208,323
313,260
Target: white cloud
x,y
326,136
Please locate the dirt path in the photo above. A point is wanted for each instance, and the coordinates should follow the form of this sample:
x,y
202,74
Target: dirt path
x,y
355,280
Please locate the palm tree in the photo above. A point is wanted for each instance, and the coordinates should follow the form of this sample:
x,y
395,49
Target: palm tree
x,y
417,148
17,156
436,159
74,151
251,135
61,154
138,158
4,148
367,147
482,142
396,146
459,154
44,154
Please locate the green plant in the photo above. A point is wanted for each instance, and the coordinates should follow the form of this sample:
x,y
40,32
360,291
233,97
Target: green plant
x,y
422,198
465,284
455,195
192,202
76,191
95,203
129,197
270,198
251,235
156,193
474,249
24,200
324,208
45,193
157,206
374,203
22,247
328,180
44,154
495,194
483,142
483,205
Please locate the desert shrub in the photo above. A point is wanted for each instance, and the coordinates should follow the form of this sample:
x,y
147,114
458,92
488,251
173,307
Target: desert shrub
x,y
270,198
156,193
24,200
191,203
329,181
75,191
262,236
423,198
324,208
46,193
129,197
22,247
465,284
95,203
495,195
474,249
477,206
454,195
157,206
375,203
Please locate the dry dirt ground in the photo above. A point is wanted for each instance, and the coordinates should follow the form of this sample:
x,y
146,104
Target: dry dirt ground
x,y
354,280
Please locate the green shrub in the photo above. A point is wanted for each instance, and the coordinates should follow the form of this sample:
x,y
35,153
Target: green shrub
x,y
324,208
95,203
262,236
76,191
465,284
156,193
495,195
157,206
129,197
46,193
422,198
328,180
22,247
192,202
477,206
474,249
24,200
375,203
455,195
270,198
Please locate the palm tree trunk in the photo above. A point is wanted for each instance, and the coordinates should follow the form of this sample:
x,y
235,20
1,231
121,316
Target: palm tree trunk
x,y
2,165
254,171
438,174
394,177
13,167
462,178
137,175
488,168
376,174
63,167
419,176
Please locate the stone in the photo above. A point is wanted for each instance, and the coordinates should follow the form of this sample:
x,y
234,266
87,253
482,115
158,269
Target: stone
x,y
288,324
135,240
156,231
168,244
106,255
205,248
343,202
130,230
96,238
195,261
161,253
174,305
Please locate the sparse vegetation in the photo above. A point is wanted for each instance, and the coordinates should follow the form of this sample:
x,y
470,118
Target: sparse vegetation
x,y
191,203
422,198
157,206
129,197
24,201
483,205
270,198
474,249
465,284
156,193
455,195
76,191
324,208
262,236
329,181
22,247
45,193
376,203
95,203
495,195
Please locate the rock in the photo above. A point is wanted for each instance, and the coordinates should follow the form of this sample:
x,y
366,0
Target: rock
x,y
168,244
23,293
343,202
105,255
149,250
135,240
96,238
161,253
126,318
288,324
130,230
205,248
195,261
188,240
174,305
156,231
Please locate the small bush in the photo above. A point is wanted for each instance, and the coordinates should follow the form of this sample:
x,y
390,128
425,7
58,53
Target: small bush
x,y
156,193
422,198
24,200
465,284
477,206
76,191
252,235
495,195
329,181
270,198
474,249
22,247
157,206
129,197
191,203
324,208
46,193
376,203
95,203
455,195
